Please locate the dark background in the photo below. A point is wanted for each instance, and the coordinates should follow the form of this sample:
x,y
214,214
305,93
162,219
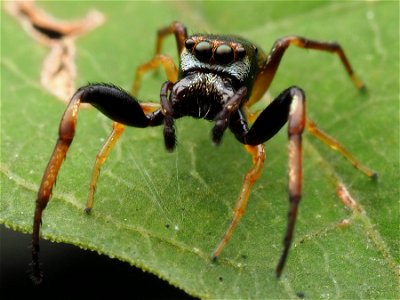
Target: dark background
x,y
71,272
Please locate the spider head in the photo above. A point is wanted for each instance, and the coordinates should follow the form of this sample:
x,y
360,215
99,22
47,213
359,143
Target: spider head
x,y
224,55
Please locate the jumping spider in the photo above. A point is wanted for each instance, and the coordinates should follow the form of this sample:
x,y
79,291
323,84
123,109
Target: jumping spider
x,y
219,78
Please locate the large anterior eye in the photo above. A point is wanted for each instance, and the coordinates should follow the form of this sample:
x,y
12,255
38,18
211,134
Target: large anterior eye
x,y
224,54
203,51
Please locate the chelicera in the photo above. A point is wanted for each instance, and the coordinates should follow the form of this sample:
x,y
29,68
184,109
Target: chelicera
x,y
219,78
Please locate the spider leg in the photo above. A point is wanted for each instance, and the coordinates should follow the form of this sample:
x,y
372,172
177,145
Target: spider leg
x,y
268,64
337,146
176,28
113,102
258,156
101,157
66,133
289,107
105,151
167,63
180,32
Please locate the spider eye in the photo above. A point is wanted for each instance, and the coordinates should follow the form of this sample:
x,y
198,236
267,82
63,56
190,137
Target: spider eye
x,y
189,44
224,54
240,52
203,51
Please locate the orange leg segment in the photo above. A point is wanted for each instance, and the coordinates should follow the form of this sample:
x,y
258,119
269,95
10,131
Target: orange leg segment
x,y
66,135
101,157
269,64
105,151
167,64
180,32
335,145
176,28
258,157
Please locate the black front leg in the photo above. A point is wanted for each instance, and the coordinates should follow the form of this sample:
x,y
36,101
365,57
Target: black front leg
x,y
118,105
272,119
114,103
289,107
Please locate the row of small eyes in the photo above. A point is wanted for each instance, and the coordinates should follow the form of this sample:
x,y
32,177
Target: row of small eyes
x,y
223,54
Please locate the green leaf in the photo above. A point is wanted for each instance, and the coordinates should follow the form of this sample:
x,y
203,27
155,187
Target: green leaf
x,y
165,213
